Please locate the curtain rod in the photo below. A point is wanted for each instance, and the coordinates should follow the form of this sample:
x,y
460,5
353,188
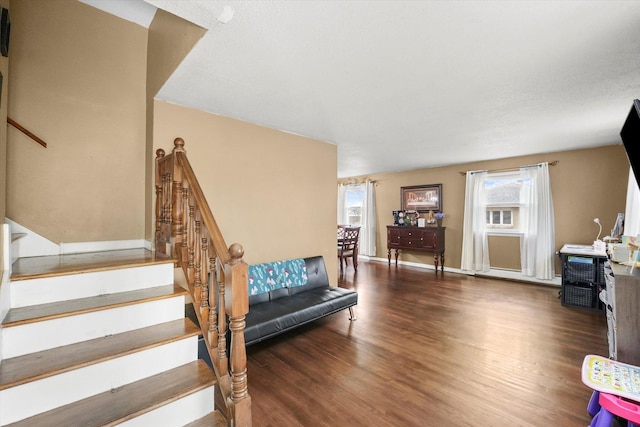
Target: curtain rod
x,y
553,163
357,182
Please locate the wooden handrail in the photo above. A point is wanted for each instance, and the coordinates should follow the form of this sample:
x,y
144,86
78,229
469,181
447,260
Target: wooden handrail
x,y
26,132
216,274
207,217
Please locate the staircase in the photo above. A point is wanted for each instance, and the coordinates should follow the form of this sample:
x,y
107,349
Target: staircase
x,y
101,339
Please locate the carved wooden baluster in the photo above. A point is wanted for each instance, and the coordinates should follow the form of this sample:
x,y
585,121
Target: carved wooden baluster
x,y
183,249
222,322
168,211
166,203
177,212
190,243
204,291
237,307
197,262
158,210
213,327
184,243
163,182
159,196
164,209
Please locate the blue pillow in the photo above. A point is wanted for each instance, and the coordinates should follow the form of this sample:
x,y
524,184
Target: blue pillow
x,y
263,278
295,273
270,276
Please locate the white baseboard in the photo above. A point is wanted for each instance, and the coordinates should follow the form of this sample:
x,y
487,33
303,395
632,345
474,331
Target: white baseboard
x,y
494,272
33,244
516,275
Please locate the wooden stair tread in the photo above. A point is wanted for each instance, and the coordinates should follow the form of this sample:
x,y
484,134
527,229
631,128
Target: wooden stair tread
x,y
131,400
213,419
40,312
58,265
35,366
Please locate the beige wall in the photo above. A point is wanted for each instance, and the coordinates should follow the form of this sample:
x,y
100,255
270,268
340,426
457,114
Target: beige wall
x,y
271,191
585,184
78,78
170,39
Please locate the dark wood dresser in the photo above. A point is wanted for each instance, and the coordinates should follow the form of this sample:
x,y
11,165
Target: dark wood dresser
x,y
427,239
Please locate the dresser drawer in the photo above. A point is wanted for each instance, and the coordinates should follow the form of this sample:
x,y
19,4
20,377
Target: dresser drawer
x,y
413,242
406,233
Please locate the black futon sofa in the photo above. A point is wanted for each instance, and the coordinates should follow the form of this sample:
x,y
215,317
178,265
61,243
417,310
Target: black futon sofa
x,y
284,295
285,307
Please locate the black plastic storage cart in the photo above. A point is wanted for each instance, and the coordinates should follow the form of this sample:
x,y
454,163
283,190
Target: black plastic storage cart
x,y
582,276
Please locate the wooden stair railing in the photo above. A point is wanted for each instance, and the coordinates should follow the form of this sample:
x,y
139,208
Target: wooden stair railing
x,y
216,274
26,131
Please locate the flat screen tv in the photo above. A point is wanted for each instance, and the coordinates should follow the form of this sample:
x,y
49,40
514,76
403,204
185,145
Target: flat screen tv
x,y
630,134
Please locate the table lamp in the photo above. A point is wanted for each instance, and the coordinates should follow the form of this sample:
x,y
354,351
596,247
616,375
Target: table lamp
x,y
598,244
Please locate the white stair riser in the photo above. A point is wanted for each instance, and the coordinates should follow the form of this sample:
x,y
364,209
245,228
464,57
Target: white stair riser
x,y
178,413
38,336
39,396
73,286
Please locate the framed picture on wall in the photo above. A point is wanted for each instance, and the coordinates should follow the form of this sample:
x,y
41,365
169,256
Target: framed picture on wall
x,y
422,198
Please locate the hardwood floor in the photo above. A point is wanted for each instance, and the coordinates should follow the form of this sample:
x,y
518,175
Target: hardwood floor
x,y
427,350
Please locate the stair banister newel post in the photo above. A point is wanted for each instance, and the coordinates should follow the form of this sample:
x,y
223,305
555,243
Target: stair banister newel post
x,y
237,306
187,231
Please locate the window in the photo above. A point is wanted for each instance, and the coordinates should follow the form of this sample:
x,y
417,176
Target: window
x,y
357,207
500,217
517,203
503,201
354,201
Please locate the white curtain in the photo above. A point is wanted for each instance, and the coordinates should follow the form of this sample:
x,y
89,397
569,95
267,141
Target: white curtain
x,y
632,210
368,214
342,211
537,244
368,228
475,246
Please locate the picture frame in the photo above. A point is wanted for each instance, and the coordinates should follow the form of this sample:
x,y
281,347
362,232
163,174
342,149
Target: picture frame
x,y
422,198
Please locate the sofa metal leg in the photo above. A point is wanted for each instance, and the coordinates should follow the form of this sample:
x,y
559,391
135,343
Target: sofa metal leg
x,y
352,315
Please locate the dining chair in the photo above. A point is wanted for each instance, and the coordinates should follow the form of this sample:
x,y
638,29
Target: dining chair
x,y
348,247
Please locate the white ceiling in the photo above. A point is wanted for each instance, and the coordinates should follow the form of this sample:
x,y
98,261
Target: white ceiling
x,y
400,85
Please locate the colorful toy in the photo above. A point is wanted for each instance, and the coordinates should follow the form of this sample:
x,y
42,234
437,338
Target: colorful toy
x,y
617,390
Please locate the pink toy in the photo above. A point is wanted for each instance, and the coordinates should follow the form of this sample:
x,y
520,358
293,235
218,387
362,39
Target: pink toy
x,y
617,390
